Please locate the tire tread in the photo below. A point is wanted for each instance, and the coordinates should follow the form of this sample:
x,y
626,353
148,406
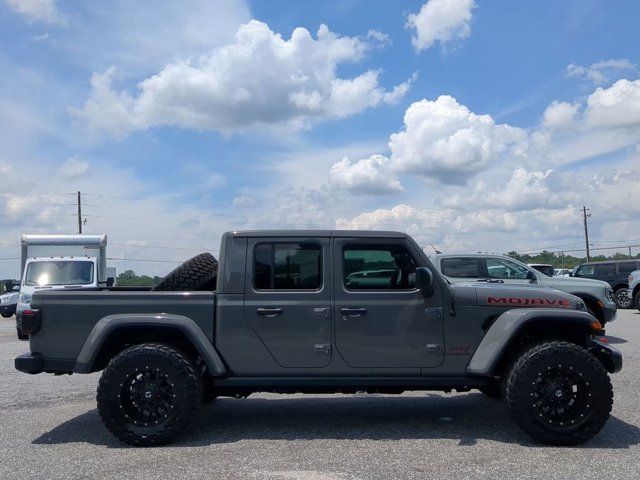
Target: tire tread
x,y
193,400
521,415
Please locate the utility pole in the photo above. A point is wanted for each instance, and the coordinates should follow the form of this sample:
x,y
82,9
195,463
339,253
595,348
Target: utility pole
x,y
79,214
585,215
630,252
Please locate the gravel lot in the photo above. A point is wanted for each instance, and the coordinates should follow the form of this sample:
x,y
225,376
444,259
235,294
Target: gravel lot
x,y
49,428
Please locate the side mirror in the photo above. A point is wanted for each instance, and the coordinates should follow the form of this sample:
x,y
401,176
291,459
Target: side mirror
x,y
531,276
424,280
110,281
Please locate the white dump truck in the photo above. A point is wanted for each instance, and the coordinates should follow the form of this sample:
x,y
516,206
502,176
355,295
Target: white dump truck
x,y
62,262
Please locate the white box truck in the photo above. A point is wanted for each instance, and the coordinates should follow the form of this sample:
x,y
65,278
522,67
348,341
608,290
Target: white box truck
x,y
62,261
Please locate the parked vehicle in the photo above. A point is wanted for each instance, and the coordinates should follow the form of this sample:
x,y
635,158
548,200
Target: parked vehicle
x,y
289,316
562,272
634,288
596,294
545,268
61,261
615,273
9,301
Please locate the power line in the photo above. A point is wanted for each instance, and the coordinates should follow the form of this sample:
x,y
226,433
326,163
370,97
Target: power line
x,y
151,260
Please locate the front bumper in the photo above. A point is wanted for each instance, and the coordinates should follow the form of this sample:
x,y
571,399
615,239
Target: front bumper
x,y
30,363
609,355
609,310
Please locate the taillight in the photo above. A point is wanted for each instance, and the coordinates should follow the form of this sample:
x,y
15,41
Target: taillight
x,y
29,321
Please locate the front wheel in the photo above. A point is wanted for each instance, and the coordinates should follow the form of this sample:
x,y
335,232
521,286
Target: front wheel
x,y
559,393
148,394
622,298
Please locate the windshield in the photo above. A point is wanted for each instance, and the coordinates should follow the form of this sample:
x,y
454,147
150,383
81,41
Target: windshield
x,y
546,269
59,272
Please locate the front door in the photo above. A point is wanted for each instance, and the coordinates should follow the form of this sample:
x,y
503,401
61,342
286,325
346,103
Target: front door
x,y
288,299
381,319
507,271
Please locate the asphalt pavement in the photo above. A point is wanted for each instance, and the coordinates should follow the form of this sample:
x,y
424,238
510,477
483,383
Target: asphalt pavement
x,y
50,429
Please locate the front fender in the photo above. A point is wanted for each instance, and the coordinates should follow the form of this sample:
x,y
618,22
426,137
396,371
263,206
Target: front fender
x,y
109,324
507,326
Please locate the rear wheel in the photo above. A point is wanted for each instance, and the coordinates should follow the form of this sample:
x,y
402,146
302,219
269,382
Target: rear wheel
x,y
622,298
148,394
559,393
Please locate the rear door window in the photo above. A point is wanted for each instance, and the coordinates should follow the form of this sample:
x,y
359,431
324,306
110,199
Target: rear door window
x,y
461,267
287,266
626,267
605,269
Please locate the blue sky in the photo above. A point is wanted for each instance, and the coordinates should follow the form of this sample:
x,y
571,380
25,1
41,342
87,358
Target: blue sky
x,y
470,124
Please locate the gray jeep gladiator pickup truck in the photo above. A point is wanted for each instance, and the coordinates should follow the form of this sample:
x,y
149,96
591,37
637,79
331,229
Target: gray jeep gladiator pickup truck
x,y
323,311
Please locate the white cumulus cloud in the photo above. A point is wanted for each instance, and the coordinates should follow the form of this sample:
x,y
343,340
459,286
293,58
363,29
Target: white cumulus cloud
x,y
261,79
45,11
74,168
599,72
616,106
441,21
368,175
443,139
560,115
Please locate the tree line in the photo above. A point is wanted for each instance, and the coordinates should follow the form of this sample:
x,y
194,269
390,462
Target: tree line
x,y
129,278
567,261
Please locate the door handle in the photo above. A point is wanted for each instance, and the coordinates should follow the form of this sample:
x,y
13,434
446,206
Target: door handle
x,y
353,312
269,312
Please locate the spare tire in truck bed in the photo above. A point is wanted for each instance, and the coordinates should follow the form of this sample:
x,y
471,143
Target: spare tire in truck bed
x,y
198,273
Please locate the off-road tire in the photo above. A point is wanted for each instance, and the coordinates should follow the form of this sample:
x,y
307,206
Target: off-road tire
x,y
122,416
636,300
198,273
7,315
592,393
622,299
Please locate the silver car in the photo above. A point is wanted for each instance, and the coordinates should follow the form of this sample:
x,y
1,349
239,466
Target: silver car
x,y
459,268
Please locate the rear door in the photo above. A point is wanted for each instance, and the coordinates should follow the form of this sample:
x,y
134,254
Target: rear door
x,y
381,319
462,269
624,269
606,272
288,299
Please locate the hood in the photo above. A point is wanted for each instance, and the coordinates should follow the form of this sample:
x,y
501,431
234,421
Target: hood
x,y
9,298
513,296
576,282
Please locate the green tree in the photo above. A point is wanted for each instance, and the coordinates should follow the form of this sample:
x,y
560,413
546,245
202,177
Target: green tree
x,y
128,278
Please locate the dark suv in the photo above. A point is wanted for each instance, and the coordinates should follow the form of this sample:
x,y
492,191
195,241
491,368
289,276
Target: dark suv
x,y
615,273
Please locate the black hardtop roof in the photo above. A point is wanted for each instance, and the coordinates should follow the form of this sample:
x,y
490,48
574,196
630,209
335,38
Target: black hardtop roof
x,y
319,233
612,261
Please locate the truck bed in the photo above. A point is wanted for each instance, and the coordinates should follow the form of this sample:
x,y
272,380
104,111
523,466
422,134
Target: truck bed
x,y
74,313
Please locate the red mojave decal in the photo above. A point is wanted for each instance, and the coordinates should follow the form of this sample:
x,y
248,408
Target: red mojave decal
x,y
530,302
